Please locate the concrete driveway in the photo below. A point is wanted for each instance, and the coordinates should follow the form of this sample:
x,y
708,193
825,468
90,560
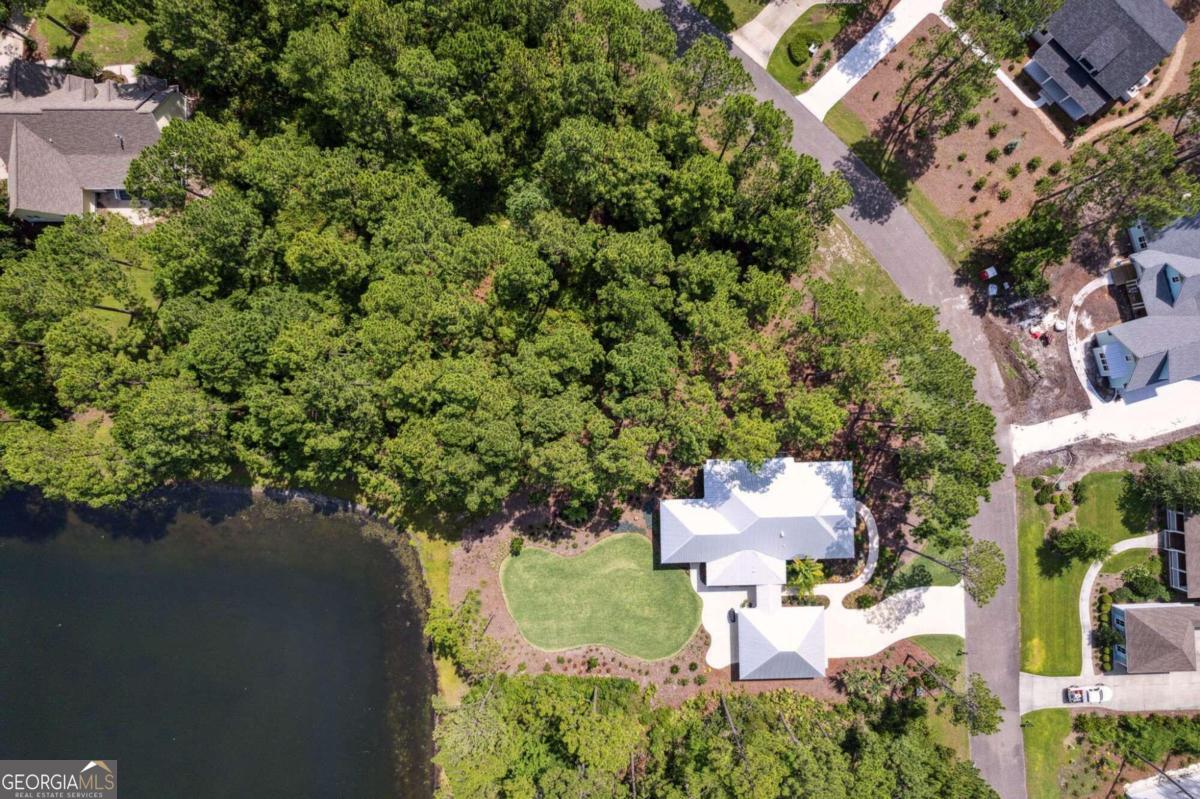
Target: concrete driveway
x,y
1178,690
1149,541
758,37
869,51
1136,418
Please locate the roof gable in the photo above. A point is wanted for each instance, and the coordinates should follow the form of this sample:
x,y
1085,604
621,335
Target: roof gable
x,y
785,509
1117,41
1160,638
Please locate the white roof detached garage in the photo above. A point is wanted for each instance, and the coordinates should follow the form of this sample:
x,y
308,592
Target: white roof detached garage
x,y
784,644
750,523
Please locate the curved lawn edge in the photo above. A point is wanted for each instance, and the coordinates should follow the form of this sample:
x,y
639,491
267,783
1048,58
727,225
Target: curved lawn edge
x,y
693,601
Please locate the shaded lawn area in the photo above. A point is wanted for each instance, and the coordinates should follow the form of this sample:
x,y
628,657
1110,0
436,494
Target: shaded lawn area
x,y
952,236
110,42
1049,585
610,595
922,571
1107,510
729,15
819,25
1045,752
948,650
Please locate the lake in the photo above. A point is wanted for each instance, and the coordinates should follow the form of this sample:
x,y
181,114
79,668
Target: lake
x,y
215,645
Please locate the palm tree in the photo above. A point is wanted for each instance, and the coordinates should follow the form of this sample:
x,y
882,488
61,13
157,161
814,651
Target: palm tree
x,y
804,574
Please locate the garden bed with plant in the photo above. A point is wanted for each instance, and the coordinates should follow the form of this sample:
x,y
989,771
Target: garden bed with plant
x,y
805,52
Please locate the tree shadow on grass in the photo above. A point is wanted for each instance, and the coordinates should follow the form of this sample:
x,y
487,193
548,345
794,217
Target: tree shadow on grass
x,y
1050,561
1136,509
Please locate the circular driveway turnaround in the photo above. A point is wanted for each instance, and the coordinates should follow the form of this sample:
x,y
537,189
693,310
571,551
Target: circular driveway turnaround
x,y
611,595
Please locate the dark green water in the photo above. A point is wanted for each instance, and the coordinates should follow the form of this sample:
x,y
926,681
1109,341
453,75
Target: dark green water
x,y
216,646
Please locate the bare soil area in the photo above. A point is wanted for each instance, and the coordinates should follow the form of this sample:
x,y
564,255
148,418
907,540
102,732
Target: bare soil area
x,y
949,169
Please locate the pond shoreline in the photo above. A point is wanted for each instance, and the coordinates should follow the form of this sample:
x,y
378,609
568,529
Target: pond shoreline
x,y
221,515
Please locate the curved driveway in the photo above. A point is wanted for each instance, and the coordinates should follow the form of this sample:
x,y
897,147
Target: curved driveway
x,y
924,276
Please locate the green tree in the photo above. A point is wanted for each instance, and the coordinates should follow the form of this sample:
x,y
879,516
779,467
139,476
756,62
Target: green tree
x,y
1080,543
707,73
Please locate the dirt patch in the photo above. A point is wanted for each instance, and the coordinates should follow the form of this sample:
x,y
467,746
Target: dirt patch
x,y
1039,380
1095,455
948,173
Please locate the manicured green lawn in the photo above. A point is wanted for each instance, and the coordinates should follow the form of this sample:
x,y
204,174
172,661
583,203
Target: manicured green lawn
x,y
919,567
1105,509
729,15
1049,585
819,25
610,595
1045,753
1049,590
946,649
1124,560
952,236
110,42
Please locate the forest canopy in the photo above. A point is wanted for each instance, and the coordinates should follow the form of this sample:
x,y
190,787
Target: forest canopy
x,y
449,251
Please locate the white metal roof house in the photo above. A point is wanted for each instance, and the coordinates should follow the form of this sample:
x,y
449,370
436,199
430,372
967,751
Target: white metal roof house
x,y
745,529
1163,345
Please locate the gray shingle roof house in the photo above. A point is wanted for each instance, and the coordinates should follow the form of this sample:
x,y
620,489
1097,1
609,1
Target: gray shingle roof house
x,y
67,142
1164,345
743,532
1094,52
1159,638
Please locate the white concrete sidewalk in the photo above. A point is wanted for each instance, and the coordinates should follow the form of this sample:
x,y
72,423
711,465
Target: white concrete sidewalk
x,y
1149,541
759,36
1130,420
870,50
839,591
1177,690
1077,348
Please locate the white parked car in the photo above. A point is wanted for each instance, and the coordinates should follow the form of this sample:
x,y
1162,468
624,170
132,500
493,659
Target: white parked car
x,y
1089,695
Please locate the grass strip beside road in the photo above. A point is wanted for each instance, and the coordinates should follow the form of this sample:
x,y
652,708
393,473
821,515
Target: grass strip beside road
x,y
1045,755
947,650
952,236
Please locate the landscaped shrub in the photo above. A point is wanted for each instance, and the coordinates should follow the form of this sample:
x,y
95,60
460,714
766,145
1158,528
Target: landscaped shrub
x,y
1038,482
593,662
864,601
1013,170
1180,452
1055,168
1062,504
1004,194
980,184
1145,581
1045,494
994,129
971,119
693,666
1122,595
516,545
77,20
993,155
1079,492
699,679
1044,185
1012,146
674,668
962,157
1033,163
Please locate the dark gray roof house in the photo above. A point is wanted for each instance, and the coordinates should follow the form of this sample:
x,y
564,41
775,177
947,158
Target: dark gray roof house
x,y
1163,346
67,142
1159,638
1094,52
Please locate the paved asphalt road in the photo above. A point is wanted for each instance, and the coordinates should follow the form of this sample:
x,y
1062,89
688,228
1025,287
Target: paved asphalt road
x,y
924,276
